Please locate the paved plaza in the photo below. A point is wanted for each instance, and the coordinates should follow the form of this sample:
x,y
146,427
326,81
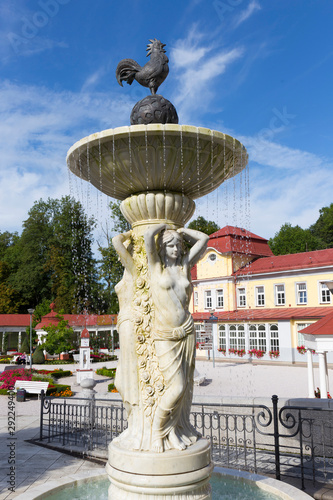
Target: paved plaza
x,y
37,465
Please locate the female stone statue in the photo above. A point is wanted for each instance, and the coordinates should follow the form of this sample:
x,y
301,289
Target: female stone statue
x,y
127,372
173,331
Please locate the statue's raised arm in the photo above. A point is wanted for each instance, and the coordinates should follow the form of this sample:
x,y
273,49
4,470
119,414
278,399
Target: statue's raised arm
x,y
198,240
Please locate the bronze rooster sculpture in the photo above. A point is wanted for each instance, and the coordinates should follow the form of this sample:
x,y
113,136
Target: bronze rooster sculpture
x,y
152,74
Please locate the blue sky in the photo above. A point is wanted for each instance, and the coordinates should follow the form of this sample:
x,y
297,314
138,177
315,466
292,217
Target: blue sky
x,y
260,70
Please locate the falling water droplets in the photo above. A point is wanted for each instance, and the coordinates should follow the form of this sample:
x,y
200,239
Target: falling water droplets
x,y
164,159
198,161
146,158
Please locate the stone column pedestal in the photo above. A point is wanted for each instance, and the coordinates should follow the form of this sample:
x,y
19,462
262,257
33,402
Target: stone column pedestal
x,y
172,475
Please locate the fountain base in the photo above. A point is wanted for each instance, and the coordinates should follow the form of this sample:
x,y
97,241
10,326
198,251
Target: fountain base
x,y
176,475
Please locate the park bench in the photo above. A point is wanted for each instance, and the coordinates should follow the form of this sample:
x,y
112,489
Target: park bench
x,y
32,387
14,359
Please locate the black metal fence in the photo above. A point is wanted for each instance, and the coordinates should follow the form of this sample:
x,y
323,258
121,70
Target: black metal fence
x,y
290,441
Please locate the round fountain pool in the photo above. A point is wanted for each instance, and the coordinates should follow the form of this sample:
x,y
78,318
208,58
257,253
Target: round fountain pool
x,y
226,485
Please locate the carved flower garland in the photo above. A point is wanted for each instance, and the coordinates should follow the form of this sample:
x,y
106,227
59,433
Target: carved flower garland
x,y
150,377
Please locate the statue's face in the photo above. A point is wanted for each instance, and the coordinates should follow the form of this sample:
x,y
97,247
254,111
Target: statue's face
x,y
173,249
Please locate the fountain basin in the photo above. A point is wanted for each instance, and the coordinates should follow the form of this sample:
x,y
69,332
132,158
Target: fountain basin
x,y
192,161
69,488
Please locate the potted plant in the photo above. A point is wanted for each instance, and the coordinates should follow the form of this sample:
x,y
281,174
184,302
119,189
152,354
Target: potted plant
x,y
274,354
258,353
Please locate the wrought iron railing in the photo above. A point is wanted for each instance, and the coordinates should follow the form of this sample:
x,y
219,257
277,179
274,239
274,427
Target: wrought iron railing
x,y
290,441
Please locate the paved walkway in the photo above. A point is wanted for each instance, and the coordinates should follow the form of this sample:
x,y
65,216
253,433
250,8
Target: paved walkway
x,y
35,465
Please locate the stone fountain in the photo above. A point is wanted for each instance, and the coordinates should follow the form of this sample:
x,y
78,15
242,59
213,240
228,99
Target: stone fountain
x,y
157,167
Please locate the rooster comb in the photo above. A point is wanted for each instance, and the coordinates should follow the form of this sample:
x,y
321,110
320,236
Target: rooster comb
x,y
155,44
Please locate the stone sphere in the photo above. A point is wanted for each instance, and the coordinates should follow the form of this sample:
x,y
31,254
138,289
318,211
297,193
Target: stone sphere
x,y
153,109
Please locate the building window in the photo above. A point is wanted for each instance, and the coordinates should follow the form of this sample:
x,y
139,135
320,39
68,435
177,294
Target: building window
x,y
219,298
300,336
212,257
208,299
280,295
196,298
241,297
301,293
257,337
222,337
325,294
274,334
237,337
260,296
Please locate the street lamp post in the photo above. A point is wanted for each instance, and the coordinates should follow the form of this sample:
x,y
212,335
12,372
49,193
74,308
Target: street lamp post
x,y
31,311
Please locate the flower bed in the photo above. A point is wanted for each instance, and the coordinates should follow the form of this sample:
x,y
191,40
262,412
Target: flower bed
x,y
59,391
9,377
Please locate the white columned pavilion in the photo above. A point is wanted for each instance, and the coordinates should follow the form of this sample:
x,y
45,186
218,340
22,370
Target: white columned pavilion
x,y
319,337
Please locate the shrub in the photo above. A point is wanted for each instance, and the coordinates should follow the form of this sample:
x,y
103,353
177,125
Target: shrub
x,y
41,377
38,357
57,362
106,372
112,388
61,373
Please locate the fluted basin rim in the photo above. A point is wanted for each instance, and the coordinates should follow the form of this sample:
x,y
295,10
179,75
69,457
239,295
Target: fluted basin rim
x,y
134,130
192,161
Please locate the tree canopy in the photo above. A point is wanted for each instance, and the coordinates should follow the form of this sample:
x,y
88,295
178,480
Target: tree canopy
x,y
323,227
52,259
294,239
203,225
59,337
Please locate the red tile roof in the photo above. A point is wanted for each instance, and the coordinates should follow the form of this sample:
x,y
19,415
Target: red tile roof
x,y
78,320
305,260
238,240
322,327
286,313
20,320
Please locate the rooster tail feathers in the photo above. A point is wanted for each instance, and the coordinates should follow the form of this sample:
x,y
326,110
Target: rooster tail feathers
x,y
126,70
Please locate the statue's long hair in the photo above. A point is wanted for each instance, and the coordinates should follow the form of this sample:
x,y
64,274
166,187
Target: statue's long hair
x,y
164,238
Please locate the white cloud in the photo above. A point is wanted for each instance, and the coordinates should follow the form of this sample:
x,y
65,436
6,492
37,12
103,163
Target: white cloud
x,y
37,128
286,185
272,154
196,67
246,13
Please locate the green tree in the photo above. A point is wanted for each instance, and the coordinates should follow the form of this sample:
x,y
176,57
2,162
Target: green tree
x,y
203,225
59,337
9,301
323,227
53,257
9,298
293,239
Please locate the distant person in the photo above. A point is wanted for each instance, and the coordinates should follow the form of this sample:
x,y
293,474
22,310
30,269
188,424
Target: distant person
x,y
22,359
